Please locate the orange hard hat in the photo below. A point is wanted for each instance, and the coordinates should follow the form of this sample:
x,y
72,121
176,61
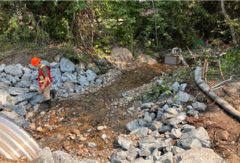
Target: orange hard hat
x,y
35,61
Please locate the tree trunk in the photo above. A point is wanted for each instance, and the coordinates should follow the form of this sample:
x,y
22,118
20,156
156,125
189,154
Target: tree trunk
x,y
155,22
229,22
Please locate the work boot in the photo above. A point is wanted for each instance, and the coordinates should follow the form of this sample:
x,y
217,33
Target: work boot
x,y
47,104
53,93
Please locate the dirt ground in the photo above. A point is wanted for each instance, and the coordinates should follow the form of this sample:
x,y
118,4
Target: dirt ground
x,y
223,129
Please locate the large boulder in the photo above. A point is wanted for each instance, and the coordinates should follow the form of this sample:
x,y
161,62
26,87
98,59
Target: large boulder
x,y
26,77
13,70
26,70
199,155
55,73
20,109
183,97
80,70
45,62
195,139
132,125
90,75
149,143
70,77
66,65
24,97
119,157
54,65
199,106
38,99
82,80
17,90
25,84
142,132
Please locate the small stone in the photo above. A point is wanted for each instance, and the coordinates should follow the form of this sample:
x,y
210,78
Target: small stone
x,y
39,129
100,128
91,144
104,136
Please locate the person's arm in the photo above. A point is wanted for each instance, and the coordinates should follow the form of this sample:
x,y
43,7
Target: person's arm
x,y
45,81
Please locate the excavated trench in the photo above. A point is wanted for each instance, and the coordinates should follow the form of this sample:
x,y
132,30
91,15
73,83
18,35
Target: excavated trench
x,y
66,126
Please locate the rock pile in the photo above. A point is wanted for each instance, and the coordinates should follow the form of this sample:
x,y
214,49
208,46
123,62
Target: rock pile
x,y
161,134
19,86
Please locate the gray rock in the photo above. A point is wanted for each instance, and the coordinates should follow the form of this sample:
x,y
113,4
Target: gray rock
x,y
147,117
176,120
160,82
145,153
54,65
119,156
163,129
5,98
155,134
142,132
132,125
2,66
165,117
13,70
80,70
183,97
172,111
44,156
133,153
70,77
189,107
141,122
38,99
5,81
4,85
88,161
99,81
33,88
200,155
55,73
25,84
193,113
66,65
77,89
175,87
195,139
20,109
147,106
131,108
32,67
187,128
17,91
10,115
82,80
91,144
24,97
176,150
3,75
26,77
176,133
19,66
62,157
35,107
26,70
64,79
65,95
124,143
182,87
199,106
90,75
15,80
155,125
149,143
71,90
167,158
34,75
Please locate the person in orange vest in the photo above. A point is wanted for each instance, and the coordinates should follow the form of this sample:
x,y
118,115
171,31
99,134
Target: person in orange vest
x,y
44,81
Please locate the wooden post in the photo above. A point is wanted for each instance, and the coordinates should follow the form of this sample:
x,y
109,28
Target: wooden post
x,y
204,66
220,69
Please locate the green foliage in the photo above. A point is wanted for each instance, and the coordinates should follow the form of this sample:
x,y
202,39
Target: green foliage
x,y
231,63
